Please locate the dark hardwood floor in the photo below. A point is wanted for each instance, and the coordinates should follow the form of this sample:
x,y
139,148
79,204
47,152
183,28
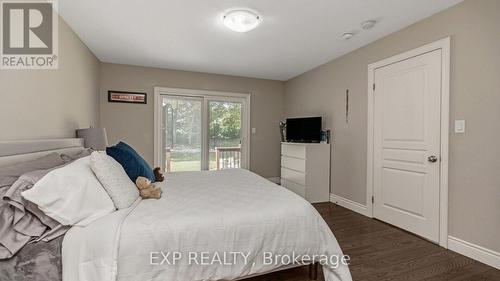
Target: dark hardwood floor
x,y
380,252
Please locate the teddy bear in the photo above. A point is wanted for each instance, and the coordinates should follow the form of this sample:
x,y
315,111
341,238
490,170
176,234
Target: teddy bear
x,y
146,189
158,174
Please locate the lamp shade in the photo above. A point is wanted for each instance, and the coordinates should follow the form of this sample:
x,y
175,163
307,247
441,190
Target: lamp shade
x,y
95,138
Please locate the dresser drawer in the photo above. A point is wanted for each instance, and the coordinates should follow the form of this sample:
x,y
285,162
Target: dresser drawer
x,y
293,176
290,150
293,163
297,188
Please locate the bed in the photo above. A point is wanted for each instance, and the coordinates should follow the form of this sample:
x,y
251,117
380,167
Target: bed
x,y
239,223
35,261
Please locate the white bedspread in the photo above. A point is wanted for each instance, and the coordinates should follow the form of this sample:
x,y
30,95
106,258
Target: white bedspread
x,y
200,212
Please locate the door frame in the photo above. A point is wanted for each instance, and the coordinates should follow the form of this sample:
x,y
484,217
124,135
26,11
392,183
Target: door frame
x,y
206,95
444,46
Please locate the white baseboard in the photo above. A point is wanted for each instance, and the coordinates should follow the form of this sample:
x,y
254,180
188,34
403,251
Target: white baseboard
x,y
276,180
349,204
474,251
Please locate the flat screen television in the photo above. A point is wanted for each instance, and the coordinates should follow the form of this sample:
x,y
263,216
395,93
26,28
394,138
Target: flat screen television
x,y
306,130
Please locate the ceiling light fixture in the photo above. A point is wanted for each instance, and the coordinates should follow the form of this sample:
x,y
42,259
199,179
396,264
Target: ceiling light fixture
x,y
368,24
241,20
347,35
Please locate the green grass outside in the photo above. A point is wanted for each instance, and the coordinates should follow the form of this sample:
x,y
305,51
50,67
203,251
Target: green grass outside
x,y
189,161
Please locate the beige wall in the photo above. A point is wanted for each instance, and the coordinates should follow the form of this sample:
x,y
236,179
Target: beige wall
x,y
474,175
133,123
51,103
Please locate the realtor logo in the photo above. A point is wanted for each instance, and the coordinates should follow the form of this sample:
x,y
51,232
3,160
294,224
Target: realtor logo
x,y
29,35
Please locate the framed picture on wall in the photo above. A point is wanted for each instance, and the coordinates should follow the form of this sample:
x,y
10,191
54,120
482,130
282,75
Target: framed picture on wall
x,y
127,97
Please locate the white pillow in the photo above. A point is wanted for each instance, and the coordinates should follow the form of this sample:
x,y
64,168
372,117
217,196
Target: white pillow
x,y
71,195
112,176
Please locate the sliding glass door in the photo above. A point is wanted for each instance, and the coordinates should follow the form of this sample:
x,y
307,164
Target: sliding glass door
x,y
224,134
198,131
182,133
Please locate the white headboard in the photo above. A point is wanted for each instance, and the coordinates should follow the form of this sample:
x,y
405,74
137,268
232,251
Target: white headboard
x,y
25,150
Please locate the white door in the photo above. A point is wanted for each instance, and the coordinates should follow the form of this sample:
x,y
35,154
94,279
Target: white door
x,y
406,144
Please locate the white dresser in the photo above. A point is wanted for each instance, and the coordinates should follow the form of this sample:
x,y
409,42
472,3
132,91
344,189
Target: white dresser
x,y
305,170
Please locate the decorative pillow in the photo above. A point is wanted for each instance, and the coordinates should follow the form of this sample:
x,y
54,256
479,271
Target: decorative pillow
x,y
9,174
113,178
71,195
134,165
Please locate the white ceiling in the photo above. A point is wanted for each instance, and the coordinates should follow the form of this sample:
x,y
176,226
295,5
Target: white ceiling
x,y
294,36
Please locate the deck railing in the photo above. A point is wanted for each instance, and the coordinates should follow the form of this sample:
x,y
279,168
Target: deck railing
x,y
228,157
168,160
225,158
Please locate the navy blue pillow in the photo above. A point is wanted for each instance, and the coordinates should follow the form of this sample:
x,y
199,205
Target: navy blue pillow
x,y
134,165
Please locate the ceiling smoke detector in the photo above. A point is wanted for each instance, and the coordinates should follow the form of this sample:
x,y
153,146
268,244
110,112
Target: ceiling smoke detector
x,y
368,24
347,35
241,20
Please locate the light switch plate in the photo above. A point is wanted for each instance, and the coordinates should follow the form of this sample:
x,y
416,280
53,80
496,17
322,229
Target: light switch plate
x,y
459,126
254,130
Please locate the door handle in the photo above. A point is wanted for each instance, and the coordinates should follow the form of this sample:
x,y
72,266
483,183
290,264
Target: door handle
x,y
432,159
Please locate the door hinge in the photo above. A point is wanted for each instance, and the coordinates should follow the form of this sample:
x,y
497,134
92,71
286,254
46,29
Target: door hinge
x,y
374,86
373,199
